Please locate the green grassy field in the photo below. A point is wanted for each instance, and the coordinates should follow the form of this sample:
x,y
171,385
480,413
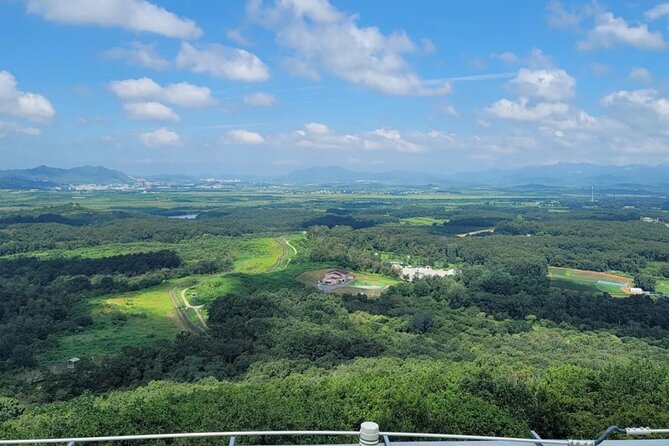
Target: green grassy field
x,y
614,284
662,286
422,221
130,319
258,255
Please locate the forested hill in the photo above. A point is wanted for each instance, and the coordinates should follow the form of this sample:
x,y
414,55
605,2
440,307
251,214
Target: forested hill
x,y
43,177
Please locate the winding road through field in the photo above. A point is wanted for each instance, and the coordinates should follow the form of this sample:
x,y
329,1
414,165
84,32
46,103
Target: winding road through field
x,y
183,316
182,305
284,260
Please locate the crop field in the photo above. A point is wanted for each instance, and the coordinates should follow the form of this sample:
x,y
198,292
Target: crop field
x,y
614,284
126,320
369,283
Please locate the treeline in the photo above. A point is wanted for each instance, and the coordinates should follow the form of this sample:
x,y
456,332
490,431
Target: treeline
x,y
39,298
44,271
401,395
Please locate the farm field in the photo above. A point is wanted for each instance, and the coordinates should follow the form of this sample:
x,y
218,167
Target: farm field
x,y
614,284
369,283
126,320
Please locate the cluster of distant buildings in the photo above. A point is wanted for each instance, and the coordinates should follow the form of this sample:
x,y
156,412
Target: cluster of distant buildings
x,y
418,272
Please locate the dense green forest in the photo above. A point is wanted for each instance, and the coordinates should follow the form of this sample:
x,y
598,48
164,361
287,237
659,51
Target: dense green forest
x,y
498,348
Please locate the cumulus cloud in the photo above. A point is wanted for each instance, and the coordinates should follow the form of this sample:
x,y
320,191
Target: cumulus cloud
x,y
20,103
551,84
447,109
243,137
641,75
160,137
609,31
506,57
182,93
259,99
137,53
222,61
521,110
150,110
658,11
633,102
7,128
135,15
315,135
558,17
324,39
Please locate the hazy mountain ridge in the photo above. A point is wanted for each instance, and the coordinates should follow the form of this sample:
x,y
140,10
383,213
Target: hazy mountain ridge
x,y
553,176
558,175
44,177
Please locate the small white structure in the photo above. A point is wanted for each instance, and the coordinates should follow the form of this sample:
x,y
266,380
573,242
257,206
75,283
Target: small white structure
x,y
72,363
636,291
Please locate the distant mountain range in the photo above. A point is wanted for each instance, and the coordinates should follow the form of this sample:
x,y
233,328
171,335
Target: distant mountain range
x,y
633,177
44,177
556,175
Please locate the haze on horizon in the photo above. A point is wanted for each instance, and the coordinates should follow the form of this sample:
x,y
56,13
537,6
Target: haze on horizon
x,y
268,87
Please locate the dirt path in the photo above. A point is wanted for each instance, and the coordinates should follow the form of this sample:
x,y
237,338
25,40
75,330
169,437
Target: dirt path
x,y
284,260
292,247
195,308
181,311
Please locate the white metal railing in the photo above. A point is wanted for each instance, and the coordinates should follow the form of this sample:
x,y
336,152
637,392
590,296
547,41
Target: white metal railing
x,y
368,435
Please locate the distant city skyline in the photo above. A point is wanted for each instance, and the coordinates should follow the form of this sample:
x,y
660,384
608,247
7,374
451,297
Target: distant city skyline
x,y
268,87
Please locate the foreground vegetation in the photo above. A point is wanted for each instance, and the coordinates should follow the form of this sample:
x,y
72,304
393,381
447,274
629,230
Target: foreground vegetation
x,y
531,334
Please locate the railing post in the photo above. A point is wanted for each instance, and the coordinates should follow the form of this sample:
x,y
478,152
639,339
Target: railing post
x,y
369,434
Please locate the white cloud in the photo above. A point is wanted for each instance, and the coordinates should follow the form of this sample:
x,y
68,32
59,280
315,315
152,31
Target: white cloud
x,y
523,111
600,69
20,103
428,46
7,128
235,34
243,137
658,11
447,109
552,84
315,135
631,103
182,93
506,57
135,15
641,75
150,110
259,99
142,54
160,137
558,17
188,95
610,31
316,128
136,88
222,61
323,39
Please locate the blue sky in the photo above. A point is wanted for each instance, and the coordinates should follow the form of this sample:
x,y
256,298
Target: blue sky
x,y
262,87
